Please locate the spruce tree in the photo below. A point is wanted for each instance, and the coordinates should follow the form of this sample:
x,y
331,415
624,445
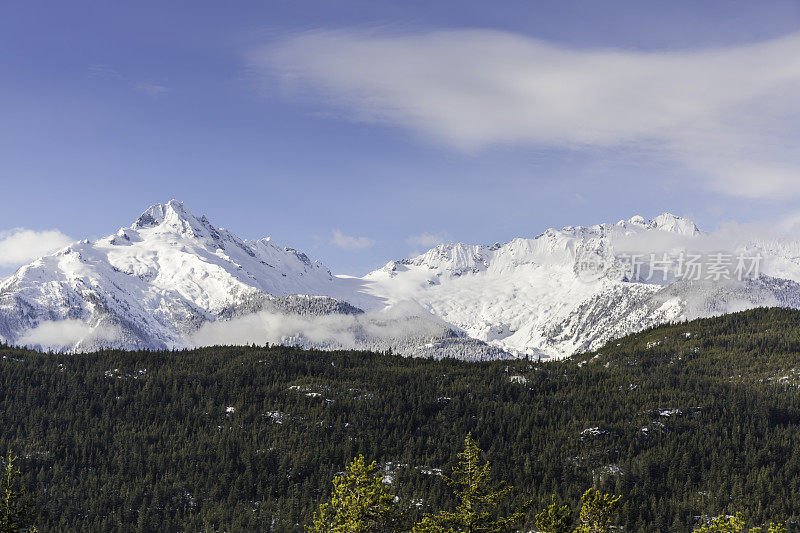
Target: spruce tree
x,y
556,518
479,499
15,513
361,503
597,511
723,524
735,524
771,528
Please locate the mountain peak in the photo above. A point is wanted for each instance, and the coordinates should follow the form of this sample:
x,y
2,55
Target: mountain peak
x,y
675,224
663,222
635,220
172,211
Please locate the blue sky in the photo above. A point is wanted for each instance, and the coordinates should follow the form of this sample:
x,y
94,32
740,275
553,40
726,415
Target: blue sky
x,y
362,131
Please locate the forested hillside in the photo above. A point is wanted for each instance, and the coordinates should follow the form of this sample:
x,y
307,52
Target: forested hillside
x,y
683,421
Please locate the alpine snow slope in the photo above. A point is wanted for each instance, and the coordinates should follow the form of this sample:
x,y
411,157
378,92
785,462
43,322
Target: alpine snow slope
x,y
535,297
169,278
174,280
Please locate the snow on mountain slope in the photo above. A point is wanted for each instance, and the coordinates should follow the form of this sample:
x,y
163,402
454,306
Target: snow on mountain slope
x,y
532,296
172,279
151,284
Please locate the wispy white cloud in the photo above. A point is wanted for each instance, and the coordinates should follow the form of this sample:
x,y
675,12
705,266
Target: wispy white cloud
x,y
105,72
152,89
727,114
19,246
350,243
426,240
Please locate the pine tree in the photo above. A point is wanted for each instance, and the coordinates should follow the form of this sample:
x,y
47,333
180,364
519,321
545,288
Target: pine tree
x,y
15,514
479,499
597,511
771,528
555,519
735,524
723,524
361,503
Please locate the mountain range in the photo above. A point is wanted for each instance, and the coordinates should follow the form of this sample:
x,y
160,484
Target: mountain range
x,y
173,280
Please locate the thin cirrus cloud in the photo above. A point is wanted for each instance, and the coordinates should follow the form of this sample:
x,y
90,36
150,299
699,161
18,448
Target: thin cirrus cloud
x,y
426,240
152,89
729,115
104,72
19,246
350,243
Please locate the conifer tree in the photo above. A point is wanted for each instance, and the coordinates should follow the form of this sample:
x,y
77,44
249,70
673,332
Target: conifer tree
x,y
771,528
556,518
735,524
15,514
479,499
723,524
361,503
597,511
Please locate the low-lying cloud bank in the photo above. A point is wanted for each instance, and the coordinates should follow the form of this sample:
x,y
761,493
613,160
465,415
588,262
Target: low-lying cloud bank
x,y
60,335
391,326
729,114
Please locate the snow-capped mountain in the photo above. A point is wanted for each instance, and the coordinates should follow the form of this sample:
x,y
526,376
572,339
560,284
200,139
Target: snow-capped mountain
x,y
174,280
153,283
166,280
536,297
